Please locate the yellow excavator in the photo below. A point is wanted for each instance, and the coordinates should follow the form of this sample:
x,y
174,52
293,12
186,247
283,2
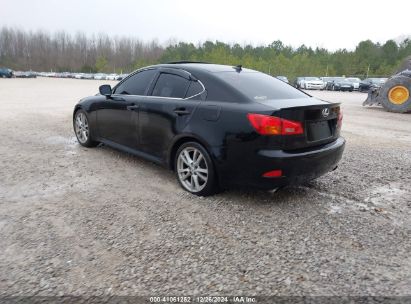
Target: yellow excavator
x,y
395,94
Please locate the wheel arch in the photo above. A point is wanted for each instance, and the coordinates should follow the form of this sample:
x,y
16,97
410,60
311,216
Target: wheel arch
x,y
181,140
76,108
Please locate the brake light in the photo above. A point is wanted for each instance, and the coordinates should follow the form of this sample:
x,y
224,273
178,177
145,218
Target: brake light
x,y
273,173
339,119
271,125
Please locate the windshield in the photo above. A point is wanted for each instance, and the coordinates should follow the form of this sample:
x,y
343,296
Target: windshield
x,y
259,86
354,79
311,78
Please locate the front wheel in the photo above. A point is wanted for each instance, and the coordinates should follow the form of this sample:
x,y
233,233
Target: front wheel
x,y
194,169
82,129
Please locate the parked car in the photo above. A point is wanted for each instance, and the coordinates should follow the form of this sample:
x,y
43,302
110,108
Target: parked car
x,y
355,82
25,74
342,85
88,76
121,76
111,76
100,76
215,126
297,82
283,78
370,83
309,83
6,73
328,81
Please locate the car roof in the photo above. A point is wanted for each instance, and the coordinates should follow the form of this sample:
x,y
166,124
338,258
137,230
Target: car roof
x,y
201,66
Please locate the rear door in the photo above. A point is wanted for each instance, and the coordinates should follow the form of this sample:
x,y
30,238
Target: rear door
x,y
117,116
167,110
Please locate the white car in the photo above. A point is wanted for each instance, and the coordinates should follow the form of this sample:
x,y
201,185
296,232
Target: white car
x,y
355,82
315,83
111,76
100,76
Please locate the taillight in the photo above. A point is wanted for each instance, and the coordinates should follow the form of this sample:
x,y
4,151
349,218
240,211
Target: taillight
x,y
340,118
273,173
271,125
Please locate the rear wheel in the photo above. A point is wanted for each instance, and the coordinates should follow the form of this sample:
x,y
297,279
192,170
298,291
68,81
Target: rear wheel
x,y
396,94
194,169
82,129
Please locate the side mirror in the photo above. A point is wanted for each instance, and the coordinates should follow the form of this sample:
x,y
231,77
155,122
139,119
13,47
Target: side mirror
x,y
105,90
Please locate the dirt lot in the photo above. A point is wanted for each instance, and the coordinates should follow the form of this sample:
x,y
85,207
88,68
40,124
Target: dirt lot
x,y
79,221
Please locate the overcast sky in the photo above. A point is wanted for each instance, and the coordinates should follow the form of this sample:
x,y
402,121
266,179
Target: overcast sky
x,y
330,24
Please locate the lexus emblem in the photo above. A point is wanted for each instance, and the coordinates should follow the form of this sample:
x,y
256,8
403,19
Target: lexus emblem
x,y
325,112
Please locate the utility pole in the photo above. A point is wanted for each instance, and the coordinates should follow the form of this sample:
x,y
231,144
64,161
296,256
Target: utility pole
x,y
368,70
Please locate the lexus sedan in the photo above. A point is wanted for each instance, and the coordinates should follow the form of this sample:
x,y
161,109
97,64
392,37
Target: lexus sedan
x,y
216,126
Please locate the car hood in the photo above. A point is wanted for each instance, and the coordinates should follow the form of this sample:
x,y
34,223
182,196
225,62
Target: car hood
x,y
314,81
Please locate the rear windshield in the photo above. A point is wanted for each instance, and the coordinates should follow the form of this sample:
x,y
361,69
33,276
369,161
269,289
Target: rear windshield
x,y
259,86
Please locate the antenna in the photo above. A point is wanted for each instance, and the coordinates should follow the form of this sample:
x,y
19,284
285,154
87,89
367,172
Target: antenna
x,y
238,67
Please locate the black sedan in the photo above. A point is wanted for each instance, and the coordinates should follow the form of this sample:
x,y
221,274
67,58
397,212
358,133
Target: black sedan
x,y
371,83
215,126
342,85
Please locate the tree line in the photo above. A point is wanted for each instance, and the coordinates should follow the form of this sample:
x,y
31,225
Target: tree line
x,y
61,51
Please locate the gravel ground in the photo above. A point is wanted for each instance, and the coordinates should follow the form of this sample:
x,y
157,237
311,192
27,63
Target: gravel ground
x,y
77,221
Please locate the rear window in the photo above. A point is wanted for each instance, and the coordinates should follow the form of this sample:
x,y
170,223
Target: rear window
x,y
259,86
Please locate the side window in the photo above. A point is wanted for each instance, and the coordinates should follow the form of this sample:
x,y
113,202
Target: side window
x,y
169,85
136,84
194,89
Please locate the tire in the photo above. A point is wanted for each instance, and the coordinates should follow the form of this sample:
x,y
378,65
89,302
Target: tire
x,y
195,170
398,81
82,129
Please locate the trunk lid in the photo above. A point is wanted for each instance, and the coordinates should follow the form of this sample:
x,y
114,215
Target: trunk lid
x,y
319,120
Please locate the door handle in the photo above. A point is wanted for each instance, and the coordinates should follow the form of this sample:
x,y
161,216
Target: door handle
x,y
181,111
132,108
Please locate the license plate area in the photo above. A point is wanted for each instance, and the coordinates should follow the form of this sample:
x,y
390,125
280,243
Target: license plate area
x,y
319,130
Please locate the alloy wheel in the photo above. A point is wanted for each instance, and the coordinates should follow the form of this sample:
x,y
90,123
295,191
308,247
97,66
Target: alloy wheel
x,y
81,126
192,169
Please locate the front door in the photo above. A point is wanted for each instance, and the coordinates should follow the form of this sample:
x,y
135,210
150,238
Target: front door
x,y
117,116
117,121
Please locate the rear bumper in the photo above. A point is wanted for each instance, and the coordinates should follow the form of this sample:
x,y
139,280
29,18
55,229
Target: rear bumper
x,y
297,167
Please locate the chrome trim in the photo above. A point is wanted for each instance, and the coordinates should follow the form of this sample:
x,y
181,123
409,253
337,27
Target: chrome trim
x,y
175,98
198,94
